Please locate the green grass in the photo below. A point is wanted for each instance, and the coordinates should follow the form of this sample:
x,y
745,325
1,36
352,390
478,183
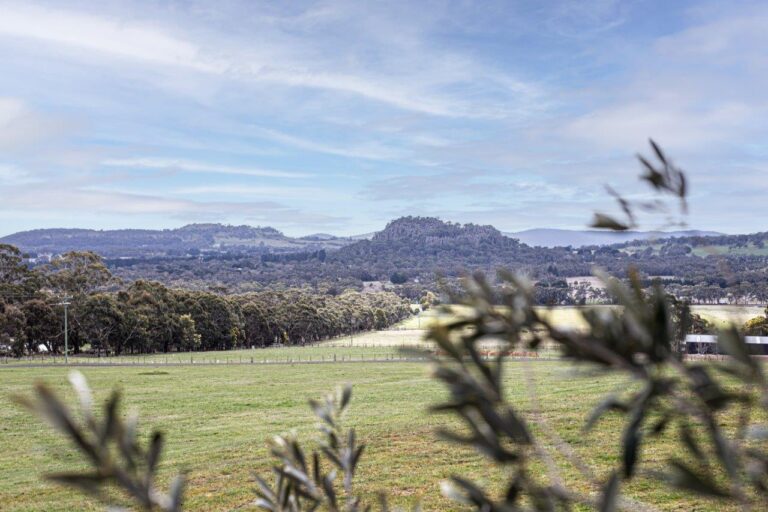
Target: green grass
x,y
362,346
217,419
721,250
570,316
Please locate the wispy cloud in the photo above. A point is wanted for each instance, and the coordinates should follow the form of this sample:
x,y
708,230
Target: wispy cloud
x,y
243,190
107,202
514,113
21,127
179,165
679,126
277,61
369,151
474,188
105,36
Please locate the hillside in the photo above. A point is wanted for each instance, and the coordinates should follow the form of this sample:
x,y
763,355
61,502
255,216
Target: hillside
x,y
188,240
410,252
423,246
413,251
194,239
544,237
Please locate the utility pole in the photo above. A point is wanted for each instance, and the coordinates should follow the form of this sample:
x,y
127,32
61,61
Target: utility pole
x,y
65,302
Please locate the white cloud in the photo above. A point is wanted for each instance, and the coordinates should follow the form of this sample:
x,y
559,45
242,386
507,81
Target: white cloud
x,y
701,88
63,201
240,190
417,78
108,36
21,128
735,34
12,175
181,165
627,126
369,151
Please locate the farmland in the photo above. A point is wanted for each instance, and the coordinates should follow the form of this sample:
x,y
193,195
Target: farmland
x,y
218,417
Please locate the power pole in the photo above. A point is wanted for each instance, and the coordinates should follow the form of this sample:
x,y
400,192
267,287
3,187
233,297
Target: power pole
x,y
65,302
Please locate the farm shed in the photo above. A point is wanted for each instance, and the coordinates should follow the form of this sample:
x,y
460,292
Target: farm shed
x,y
707,344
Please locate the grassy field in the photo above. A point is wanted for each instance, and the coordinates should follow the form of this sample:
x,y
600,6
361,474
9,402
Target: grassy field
x,y
719,250
365,346
218,417
570,316
722,316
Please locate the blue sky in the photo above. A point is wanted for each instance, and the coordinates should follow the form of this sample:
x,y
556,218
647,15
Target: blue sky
x,y
339,116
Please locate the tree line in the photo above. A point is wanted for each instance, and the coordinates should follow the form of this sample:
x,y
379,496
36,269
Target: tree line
x,y
144,316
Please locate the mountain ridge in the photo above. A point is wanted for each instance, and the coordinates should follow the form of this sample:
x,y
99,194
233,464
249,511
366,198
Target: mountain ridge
x,y
189,239
216,237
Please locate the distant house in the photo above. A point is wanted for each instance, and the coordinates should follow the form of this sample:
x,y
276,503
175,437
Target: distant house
x,y
707,344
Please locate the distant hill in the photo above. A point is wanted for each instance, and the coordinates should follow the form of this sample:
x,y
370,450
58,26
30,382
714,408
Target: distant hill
x,y
220,238
190,239
543,237
424,246
411,252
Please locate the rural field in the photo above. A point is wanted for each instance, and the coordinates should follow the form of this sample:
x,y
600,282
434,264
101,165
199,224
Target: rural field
x,y
570,316
217,419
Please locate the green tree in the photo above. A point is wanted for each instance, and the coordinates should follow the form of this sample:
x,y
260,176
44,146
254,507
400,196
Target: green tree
x,y
258,328
151,317
100,322
757,326
216,320
13,329
78,273
74,276
428,299
398,278
189,339
44,324
17,281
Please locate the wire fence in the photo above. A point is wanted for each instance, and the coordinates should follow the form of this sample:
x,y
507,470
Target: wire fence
x,y
201,358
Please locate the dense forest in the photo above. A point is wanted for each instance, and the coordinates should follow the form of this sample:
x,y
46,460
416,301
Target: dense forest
x,y
146,316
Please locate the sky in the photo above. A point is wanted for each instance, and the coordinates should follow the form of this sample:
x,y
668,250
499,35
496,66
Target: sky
x,y
338,116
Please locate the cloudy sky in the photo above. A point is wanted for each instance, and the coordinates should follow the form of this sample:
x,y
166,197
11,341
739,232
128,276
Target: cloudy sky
x,y
338,116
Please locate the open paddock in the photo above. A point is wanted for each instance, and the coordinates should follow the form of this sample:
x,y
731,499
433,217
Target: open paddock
x,y
217,419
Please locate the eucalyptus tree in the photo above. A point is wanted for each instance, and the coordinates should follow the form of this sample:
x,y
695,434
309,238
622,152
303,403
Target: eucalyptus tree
x,y
44,324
